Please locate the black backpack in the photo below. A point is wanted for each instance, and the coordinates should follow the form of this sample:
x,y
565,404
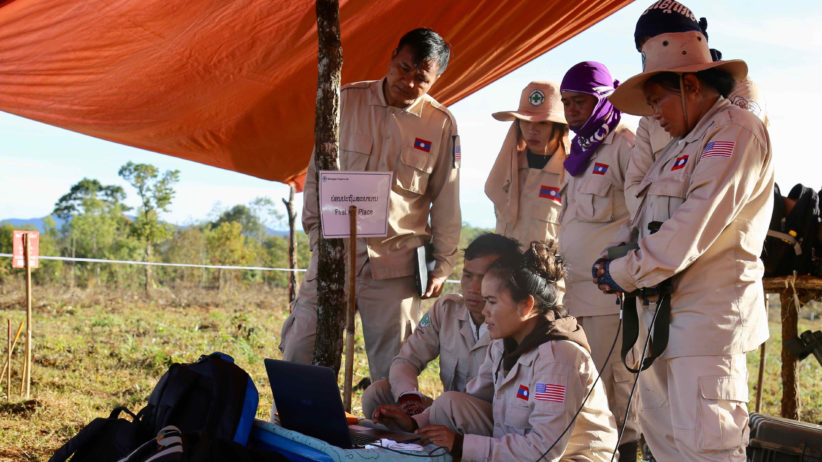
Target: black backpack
x,y
212,396
103,439
793,241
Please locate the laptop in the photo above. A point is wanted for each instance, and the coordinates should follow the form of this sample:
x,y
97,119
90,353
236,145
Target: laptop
x,y
308,401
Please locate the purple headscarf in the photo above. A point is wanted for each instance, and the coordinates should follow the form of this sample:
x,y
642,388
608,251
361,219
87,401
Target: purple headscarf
x,y
592,78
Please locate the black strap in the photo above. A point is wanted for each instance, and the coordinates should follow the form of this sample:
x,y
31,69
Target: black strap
x,y
659,331
87,434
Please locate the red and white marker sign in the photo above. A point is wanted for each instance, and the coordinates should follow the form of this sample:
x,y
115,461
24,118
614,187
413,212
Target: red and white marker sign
x,y
18,259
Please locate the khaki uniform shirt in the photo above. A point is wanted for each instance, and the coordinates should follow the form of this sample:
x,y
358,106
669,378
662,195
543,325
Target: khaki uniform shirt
x,y
419,144
536,400
651,138
713,189
539,202
593,212
445,331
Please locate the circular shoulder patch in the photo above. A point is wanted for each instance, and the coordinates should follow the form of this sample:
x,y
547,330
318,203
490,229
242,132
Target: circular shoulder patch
x,y
536,98
425,321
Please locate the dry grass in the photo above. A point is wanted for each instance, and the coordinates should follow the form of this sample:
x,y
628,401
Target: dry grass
x,y
98,349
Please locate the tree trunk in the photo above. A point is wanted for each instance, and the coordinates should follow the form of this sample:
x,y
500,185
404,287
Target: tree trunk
x,y
331,268
292,244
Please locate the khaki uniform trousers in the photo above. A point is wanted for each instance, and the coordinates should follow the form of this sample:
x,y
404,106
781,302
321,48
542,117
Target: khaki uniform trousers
x,y
379,393
694,408
389,310
462,413
616,378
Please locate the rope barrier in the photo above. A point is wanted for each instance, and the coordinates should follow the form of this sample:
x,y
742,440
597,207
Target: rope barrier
x,y
184,265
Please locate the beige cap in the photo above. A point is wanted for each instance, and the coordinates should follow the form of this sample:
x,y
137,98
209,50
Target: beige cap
x,y
679,52
540,102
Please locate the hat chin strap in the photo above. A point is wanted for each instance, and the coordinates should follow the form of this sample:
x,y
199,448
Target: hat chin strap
x,y
684,109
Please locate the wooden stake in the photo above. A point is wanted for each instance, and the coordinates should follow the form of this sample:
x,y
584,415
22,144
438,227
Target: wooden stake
x,y
27,378
790,363
8,360
11,350
761,372
352,306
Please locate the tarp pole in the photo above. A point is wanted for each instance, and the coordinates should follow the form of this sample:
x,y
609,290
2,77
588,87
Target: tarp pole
x,y
352,307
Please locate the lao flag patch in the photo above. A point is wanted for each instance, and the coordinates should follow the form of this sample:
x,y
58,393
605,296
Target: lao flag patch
x,y
600,169
680,162
549,392
718,149
549,192
523,393
422,145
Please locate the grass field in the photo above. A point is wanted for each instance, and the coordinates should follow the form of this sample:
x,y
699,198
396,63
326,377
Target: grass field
x,y
98,349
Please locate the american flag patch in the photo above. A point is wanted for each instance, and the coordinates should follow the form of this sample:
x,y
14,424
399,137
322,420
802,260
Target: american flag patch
x,y
549,392
600,169
422,145
718,149
680,162
549,192
456,155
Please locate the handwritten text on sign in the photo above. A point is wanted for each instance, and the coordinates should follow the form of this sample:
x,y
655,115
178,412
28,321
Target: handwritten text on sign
x,y
368,191
18,259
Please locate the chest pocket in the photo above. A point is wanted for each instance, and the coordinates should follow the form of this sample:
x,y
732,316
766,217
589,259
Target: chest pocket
x,y
539,207
595,200
355,151
516,416
413,170
666,194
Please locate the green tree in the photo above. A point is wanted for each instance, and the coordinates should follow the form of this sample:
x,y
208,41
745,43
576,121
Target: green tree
x,y
156,193
94,224
226,245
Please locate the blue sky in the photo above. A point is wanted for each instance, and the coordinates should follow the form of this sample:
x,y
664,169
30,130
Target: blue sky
x,y
780,41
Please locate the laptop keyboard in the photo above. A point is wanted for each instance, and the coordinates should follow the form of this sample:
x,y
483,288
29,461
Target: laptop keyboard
x,y
361,440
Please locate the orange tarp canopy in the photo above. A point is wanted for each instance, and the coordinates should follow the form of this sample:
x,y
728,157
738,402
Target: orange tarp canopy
x,y
232,83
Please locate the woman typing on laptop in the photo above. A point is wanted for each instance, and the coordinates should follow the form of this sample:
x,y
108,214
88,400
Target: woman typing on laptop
x,y
533,382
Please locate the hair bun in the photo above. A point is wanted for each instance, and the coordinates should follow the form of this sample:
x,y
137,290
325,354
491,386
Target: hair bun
x,y
542,259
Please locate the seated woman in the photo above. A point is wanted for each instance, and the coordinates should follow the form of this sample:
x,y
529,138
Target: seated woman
x,y
525,180
529,397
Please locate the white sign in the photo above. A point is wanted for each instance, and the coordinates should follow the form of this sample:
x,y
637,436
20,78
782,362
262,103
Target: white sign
x,y
368,191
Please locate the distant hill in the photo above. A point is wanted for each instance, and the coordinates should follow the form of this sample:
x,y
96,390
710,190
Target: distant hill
x,y
38,223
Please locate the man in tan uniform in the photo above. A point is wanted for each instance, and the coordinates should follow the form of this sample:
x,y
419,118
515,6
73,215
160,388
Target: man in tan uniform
x,y
711,189
454,329
391,125
593,212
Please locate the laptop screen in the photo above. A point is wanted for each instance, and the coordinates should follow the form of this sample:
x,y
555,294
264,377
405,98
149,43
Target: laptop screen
x,y
308,401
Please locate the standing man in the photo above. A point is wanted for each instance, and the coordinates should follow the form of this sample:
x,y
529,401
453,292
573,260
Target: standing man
x,y
391,125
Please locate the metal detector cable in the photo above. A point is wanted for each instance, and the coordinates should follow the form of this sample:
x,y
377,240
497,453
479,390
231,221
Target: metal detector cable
x,y
636,380
620,302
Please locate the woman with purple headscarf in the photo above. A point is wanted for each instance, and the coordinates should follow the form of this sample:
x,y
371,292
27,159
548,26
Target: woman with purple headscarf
x,y
594,209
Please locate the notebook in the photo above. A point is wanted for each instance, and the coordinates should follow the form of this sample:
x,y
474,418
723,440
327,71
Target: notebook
x,y
308,401
424,263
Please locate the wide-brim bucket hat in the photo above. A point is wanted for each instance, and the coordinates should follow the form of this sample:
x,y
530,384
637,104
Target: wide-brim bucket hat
x,y
680,52
539,102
